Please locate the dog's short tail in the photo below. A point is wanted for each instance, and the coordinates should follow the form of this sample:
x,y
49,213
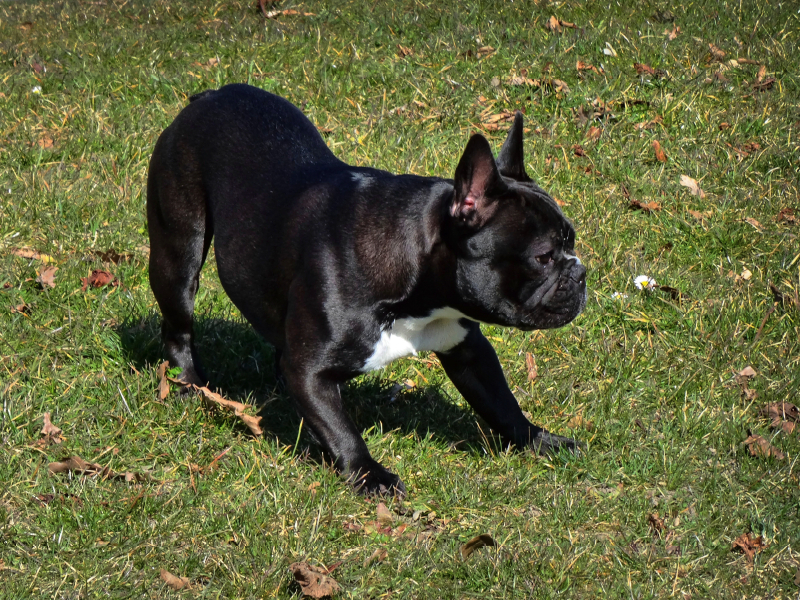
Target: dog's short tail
x,y
200,95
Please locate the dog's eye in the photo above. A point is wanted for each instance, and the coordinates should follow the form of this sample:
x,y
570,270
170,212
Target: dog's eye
x,y
545,258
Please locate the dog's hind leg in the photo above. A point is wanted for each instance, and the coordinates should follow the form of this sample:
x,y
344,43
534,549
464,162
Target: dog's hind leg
x,y
180,235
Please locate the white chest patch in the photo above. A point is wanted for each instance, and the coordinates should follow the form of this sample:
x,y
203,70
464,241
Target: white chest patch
x,y
438,331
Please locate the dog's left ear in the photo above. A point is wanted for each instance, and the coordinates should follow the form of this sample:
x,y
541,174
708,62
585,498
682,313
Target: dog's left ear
x,y
511,160
477,183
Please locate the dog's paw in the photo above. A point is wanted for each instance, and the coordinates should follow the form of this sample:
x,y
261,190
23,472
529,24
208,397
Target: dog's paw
x,y
374,480
548,443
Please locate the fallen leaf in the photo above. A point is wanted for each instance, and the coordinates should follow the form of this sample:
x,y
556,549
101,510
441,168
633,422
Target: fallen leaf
x,y
660,156
700,216
656,523
762,86
26,26
30,253
787,215
75,464
674,293
582,66
163,383
97,279
50,433
478,541
649,124
112,256
749,545
403,51
485,51
45,142
753,222
609,50
314,581
694,187
716,53
214,399
22,309
663,16
553,24
530,362
758,446
762,71
379,555
643,69
384,515
46,277
783,415
644,206
724,125
746,275
560,86
594,133
671,35
748,372
175,582
578,422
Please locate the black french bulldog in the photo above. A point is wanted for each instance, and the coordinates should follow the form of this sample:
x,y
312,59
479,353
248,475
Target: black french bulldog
x,y
344,269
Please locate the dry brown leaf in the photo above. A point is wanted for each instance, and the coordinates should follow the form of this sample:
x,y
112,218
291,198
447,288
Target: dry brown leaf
x,y
314,581
175,582
694,187
716,53
403,51
656,524
214,399
112,256
98,278
644,206
758,446
485,51
560,86
778,412
762,71
582,66
671,35
762,86
643,69
578,150
384,515
748,371
749,545
379,555
22,309
753,222
478,541
75,464
46,277
660,156
50,433
724,125
30,253
553,24
787,215
578,422
649,124
530,362
45,142
593,133
700,216
163,383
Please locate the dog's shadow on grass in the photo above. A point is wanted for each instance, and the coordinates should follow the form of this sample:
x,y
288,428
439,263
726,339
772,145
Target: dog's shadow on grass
x,y
240,365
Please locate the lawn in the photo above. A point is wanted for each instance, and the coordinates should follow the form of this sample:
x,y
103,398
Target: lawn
x,y
670,135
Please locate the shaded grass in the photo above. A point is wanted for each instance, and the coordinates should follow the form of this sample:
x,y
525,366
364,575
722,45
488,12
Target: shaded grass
x,y
653,376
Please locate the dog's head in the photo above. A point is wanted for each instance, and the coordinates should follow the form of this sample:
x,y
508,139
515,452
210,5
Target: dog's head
x,y
513,247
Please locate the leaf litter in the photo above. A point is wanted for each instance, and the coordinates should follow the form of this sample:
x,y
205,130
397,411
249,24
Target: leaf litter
x,y
692,185
98,278
76,465
50,433
749,545
175,582
760,447
782,415
314,581
479,541
46,277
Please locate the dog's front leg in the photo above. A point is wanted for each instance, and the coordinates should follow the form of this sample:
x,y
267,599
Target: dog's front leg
x,y
474,369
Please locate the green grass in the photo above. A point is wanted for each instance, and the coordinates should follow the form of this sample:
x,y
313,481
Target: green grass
x,y
655,377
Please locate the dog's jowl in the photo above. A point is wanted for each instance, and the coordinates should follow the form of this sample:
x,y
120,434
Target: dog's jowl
x,y
344,269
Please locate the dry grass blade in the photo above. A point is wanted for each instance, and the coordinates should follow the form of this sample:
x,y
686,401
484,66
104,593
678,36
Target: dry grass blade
x,y
214,399
479,541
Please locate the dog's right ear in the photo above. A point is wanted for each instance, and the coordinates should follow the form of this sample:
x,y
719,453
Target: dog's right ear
x,y
477,183
511,160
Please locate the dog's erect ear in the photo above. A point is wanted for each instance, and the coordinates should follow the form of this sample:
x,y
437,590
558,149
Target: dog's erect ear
x,y
511,160
477,183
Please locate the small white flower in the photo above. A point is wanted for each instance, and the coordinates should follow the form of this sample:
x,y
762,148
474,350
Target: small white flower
x,y
37,89
643,282
619,296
